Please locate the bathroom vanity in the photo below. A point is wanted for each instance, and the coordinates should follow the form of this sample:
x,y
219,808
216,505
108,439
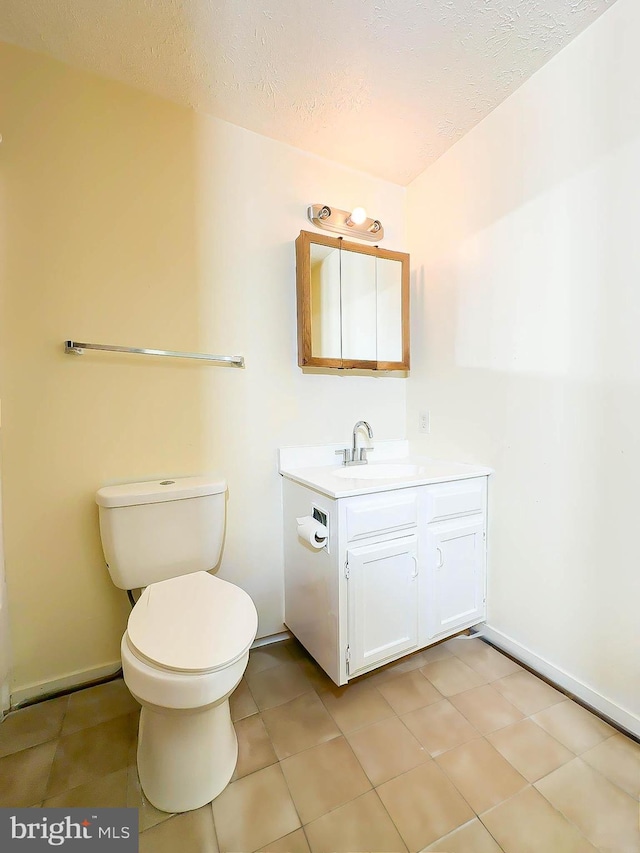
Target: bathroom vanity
x,y
403,564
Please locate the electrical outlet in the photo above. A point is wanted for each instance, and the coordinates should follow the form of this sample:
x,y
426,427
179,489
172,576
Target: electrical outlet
x,y
424,422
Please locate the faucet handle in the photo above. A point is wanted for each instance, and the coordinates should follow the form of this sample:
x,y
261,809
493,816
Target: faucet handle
x,y
363,453
346,455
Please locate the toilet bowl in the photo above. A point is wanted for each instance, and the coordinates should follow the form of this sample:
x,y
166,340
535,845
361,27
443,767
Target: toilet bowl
x,y
188,636
184,652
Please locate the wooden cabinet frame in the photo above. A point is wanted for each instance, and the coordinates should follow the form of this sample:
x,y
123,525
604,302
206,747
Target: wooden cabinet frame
x,y
303,283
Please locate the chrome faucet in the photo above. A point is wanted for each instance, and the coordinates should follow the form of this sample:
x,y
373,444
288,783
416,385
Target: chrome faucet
x,y
354,455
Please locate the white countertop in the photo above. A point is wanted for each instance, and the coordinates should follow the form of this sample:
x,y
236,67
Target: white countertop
x,y
398,473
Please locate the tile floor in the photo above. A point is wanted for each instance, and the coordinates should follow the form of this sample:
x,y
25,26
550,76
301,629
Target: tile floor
x,y
453,749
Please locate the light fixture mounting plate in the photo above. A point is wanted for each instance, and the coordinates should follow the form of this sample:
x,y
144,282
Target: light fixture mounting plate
x,y
333,219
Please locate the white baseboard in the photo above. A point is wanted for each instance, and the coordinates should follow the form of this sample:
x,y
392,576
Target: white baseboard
x,y
603,706
5,698
34,692
272,638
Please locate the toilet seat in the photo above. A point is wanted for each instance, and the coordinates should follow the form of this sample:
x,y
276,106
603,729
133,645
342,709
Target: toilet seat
x,y
193,623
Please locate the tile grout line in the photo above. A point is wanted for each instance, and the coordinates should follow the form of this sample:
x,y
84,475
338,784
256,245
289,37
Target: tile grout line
x,y
548,802
293,802
468,823
53,760
606,779
215,829
579,755
397,828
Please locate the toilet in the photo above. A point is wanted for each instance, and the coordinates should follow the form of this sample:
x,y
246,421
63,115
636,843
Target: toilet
x,y
188,636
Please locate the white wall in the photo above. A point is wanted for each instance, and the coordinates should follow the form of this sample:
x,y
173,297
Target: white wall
x,y
255,203
525,349
130,220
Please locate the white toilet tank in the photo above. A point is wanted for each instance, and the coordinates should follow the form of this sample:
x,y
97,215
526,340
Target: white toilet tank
x,y
161,529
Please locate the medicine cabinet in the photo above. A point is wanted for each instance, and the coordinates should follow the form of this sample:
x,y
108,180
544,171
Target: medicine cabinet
x,y
353,304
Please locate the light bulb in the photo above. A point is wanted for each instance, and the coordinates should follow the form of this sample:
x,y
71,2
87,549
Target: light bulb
x,y
358,215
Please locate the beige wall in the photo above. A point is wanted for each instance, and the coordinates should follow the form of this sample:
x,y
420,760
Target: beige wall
x,y
524,242
5,656
129,220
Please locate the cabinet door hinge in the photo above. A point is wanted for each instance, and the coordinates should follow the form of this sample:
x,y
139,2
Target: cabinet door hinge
x,y
347,657
346,568
484,535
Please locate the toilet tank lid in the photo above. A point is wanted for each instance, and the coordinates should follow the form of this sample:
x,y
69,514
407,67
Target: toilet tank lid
x,y
157,491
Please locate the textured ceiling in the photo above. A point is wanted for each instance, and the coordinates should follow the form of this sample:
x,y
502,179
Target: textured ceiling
x,y
385,86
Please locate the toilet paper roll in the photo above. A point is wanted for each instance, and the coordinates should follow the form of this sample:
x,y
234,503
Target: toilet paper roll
x,y
311,531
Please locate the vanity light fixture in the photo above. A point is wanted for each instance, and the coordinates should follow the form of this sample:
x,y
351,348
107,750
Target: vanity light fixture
x,y
355,223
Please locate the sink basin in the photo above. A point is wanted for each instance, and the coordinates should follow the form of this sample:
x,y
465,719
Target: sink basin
x,y
379,471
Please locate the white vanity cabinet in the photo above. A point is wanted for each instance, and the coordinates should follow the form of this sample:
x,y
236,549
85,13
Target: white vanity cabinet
x,y
403,567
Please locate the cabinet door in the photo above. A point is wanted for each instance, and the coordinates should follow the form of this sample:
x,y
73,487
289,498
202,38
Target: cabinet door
x,y
382,602
456,558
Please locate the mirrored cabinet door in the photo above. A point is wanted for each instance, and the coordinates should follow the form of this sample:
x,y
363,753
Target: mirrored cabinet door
x,y
326,339
359,306
353,304
390,307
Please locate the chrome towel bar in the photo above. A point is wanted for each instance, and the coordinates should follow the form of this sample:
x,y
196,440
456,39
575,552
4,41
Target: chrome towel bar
x,y
231,360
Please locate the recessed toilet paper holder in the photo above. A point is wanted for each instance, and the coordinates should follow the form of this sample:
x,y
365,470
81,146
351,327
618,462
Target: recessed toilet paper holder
x,y
320,516
312,529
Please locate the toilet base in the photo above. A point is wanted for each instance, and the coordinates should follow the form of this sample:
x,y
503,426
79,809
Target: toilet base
x,y
186,759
